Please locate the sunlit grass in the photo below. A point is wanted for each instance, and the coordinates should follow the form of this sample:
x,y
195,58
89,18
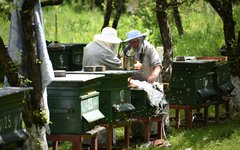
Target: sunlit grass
x,y
4,30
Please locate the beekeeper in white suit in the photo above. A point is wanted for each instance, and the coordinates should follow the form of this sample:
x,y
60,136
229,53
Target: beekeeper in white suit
x,y
101,51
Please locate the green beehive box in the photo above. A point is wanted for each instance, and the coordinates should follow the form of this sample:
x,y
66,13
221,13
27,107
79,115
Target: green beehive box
x,y
221,77
114,94
66,56
192,82
59,57
140,101
12,132
74,103
76,55
221,80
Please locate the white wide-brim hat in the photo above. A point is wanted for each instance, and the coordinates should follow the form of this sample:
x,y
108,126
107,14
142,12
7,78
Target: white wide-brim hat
x,y
108,35
134,34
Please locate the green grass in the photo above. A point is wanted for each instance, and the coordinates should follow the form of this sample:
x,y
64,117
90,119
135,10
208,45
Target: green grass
x,y
217,136
4,29
221,136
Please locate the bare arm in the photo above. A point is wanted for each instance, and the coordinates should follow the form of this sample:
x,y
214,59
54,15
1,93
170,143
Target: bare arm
x,y
155,74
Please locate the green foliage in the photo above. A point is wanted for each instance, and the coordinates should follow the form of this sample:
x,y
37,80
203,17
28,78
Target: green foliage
x,y
71,26
24,81
6,7
203,34
40,116
13,67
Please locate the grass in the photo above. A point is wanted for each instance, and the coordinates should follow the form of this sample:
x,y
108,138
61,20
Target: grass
x,y
221,136
217,136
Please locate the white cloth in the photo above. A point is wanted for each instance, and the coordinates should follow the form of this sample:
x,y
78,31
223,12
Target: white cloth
x,y
15,47
154,91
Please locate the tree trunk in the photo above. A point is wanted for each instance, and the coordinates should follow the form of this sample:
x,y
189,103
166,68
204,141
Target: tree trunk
x,y
118,13
92,4
33,114
224,10
8,67
108,13
177,19
162,19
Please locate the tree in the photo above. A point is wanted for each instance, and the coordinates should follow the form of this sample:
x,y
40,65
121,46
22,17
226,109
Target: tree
x,y
9,68
161,6
118,13
51,3
107,14
224,10
34,114
177,17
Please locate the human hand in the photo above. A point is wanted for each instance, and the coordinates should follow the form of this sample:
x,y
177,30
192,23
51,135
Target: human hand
x,y
152,78
137,65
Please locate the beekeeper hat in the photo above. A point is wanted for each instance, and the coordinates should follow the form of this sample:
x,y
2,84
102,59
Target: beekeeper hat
x,y
134,34
108,35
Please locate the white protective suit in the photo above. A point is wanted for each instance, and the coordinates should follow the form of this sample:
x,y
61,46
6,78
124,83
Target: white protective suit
x,y
101,53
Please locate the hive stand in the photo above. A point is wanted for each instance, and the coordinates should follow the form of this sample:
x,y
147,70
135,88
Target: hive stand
x,y
110,126
189,112
76,139
146,121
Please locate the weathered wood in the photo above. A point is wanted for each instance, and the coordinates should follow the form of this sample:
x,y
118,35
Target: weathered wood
x,y
8,66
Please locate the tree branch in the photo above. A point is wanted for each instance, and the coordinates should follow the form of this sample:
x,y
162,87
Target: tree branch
x,y
8,66
217,7
51,3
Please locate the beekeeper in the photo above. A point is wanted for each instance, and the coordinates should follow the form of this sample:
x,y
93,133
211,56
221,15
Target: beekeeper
x,y
148,77
148,60
101,51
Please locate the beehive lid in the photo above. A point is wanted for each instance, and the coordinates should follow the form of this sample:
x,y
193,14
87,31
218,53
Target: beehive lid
x,y
12,90
93,116
78,77
105,72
